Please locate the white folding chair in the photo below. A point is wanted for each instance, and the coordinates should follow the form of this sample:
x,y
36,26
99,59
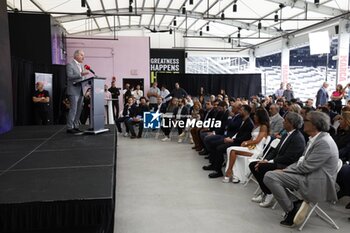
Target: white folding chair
x,y
273,145
241,168
317,209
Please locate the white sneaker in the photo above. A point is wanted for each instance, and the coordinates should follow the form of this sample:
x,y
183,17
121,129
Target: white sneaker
x,y
180,140
126,135
235,180
165,139
268,201
182,135
227,179
191,141
259,198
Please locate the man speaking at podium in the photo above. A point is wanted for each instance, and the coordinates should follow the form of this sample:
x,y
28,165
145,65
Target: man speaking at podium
x,y
75,72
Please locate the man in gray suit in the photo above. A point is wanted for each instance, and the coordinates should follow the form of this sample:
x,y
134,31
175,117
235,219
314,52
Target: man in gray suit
x,y
322,95
276,121
75,72
313,176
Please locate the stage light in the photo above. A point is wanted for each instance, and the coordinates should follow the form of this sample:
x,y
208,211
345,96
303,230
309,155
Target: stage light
x,y
201,33
83,2
222,16
234,7
171,31
88,13
191,2
276,17
317,2
174,22
130,9
259,25
183,10
207,27
239,33
229,40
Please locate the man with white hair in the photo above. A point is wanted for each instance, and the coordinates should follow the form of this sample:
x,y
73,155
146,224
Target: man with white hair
x,y
322,95
313,175
75,72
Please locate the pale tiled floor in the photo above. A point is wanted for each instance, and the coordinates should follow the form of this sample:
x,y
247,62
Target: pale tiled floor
x,y
161,187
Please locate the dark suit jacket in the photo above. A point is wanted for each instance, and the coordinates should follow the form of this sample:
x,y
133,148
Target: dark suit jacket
x,y
221,116
290,152
244,132
211,114
184,112
233,125
139,110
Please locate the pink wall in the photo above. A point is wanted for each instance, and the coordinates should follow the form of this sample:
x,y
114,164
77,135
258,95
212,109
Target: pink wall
x,y
127,57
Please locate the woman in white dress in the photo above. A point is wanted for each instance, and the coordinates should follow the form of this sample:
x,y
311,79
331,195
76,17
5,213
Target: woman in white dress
x,y
251,147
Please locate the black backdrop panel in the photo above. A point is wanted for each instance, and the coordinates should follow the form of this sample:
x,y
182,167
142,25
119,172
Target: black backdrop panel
x,y
5,73
235,85
23,88
30,37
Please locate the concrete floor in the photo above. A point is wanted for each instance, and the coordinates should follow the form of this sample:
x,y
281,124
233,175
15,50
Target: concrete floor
x,y
161,187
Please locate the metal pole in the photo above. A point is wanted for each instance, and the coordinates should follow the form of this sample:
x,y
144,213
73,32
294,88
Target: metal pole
x,y
327,61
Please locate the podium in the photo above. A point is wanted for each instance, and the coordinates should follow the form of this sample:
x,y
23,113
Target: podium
x,y
97,110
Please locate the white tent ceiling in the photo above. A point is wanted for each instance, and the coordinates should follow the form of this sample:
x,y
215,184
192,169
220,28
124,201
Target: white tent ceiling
x,y
113,16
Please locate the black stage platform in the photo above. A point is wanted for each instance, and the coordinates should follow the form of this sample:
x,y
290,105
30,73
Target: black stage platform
x,y
51,181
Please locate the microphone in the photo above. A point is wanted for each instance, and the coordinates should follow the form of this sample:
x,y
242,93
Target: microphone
x,y
87,67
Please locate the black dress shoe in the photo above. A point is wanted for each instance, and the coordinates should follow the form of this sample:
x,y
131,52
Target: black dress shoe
x,y
347,206
203,152
139,136
289,217
208,168
207,157
215,175
78,130
133,136
75,132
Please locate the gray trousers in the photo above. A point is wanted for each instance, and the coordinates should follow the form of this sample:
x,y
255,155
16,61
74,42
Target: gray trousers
x,y
76,106
277,182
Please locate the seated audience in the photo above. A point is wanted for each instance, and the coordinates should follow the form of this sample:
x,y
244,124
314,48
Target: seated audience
x,y
180,113
231,129
136,118
288,151
129,107
167,116
251,147
243,134
342,136
276,121
313,175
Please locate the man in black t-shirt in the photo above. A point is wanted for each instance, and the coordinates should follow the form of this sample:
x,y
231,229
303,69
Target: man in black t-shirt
x,y
115,103
41,101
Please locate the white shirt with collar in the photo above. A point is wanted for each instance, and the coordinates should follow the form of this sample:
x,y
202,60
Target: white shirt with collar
x,y
79,66
309,144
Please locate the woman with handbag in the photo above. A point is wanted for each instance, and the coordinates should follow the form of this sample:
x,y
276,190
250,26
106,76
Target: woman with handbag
x,y
249,148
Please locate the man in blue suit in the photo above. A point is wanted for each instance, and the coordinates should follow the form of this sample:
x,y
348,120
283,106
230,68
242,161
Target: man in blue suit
x,y
75,72
322,95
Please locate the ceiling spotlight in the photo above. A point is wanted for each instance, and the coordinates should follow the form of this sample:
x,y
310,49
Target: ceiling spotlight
x,y
171,31
191,2
222,16
239,33
183,10
83,2
174,22
317,1
259,25
88,13
229,40
234,7
131,1
200,33
207,27
276,17
130,9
